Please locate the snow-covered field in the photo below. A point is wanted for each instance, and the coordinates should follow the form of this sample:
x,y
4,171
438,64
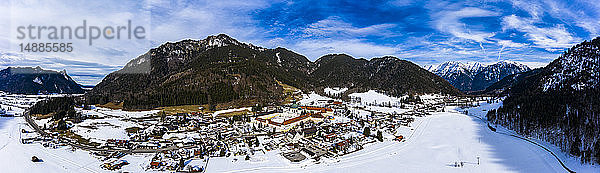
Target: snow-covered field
x,y
571,162
334,90
312,99
16,157
103,129
111,124
374,97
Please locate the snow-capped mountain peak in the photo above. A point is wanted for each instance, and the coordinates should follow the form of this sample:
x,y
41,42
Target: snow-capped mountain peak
x,y
506,63
449,68
472,76
176,51
473,67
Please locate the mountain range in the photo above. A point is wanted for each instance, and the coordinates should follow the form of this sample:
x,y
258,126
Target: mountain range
x,y
475,76
220,69
28,80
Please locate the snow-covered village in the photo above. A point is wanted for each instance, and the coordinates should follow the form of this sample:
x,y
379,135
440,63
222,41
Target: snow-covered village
x,y
426,133
228,86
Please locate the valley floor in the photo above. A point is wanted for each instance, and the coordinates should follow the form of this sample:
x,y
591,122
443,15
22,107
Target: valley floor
x,y
435,144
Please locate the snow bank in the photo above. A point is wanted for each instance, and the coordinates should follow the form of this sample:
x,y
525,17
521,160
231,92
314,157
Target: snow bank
x,y
311,99
231,110
124,114
103,129
335,90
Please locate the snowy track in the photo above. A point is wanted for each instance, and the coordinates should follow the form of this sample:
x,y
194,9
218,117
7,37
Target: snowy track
x,y
484,122
568,163
543,147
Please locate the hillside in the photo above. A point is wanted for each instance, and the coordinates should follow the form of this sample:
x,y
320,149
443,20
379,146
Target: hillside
x,y
559,104
503,86
28,80
389,74
220,69
214,70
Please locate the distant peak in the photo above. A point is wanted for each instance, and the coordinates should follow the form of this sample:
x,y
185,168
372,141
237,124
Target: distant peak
x,y
507,62
334,56
504,63
221,40
212,41
451,62
221,36
390,58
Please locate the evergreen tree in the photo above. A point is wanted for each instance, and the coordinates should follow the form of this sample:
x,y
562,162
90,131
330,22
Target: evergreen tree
x,y
181,164
367,131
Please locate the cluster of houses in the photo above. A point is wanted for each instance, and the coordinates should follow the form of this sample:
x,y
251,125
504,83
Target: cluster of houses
x,y
326,129
187,141
309,132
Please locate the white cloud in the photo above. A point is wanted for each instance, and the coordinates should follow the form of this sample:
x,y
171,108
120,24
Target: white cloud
x,y
334,35
449,22
568,12
163,21
549,38
87,73
354,47
84,57
533,65
176,21
536,10
590,26
334,26
509,43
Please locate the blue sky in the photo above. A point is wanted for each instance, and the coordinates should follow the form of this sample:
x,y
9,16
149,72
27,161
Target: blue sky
x,y
425,32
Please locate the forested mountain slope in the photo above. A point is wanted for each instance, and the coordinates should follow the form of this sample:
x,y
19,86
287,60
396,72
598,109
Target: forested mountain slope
x,y
560,103
221,69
